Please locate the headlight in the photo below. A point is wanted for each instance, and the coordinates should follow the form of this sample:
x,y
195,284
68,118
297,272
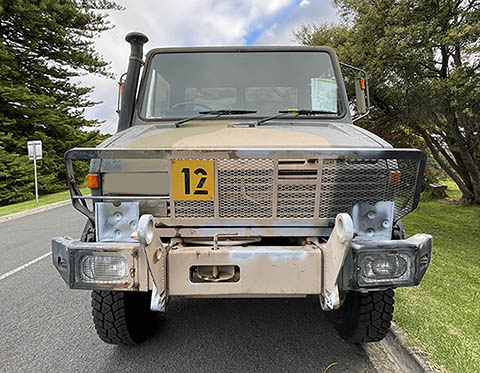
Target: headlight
x,y
103,269
381,268
385,267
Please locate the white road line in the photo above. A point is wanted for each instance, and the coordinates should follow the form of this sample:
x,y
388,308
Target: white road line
x,y
8,274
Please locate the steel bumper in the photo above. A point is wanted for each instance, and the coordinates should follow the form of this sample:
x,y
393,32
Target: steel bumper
x,y
247,270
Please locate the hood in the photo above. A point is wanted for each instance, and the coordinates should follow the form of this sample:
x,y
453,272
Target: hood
x,y
222,134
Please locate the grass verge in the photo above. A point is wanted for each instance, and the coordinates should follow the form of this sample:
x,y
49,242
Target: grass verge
x,y
442,314
42,201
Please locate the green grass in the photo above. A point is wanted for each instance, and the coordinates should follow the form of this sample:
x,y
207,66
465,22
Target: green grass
x,y
42,200
442,315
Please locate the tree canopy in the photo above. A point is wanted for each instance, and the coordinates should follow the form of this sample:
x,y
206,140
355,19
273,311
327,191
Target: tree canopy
x,y
423,58
44,45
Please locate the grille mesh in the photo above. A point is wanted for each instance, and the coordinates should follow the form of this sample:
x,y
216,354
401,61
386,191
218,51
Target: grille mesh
x,y
296,201
246,189
194,209
346,182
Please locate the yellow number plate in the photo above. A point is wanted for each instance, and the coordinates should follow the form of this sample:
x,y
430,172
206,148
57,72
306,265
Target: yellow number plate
x,y
193,180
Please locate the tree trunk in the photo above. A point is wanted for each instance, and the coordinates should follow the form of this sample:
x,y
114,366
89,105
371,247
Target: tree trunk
x,y
467,194
473,168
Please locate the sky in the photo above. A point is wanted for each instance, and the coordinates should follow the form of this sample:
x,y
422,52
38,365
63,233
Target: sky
x,y
173,23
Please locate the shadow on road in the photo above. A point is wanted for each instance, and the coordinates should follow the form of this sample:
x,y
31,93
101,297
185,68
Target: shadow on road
x,y
243,335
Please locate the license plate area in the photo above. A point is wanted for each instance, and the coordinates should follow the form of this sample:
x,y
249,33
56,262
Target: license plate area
x,y
193,180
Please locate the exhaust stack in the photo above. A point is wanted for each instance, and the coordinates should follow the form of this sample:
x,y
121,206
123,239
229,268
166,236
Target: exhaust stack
x,y
136,40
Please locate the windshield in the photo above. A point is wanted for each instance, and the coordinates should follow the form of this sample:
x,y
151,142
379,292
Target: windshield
x,y
184,84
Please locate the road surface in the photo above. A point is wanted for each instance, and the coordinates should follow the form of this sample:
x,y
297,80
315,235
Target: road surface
x,y
47,327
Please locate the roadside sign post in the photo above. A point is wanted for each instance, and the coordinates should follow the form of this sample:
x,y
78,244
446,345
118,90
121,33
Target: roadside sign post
x,y
35,152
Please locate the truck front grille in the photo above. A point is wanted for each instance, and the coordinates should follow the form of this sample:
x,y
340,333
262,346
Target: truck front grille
x,y
304,189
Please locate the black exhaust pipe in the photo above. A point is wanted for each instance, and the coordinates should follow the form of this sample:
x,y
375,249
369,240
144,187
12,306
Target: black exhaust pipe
x,y
136,40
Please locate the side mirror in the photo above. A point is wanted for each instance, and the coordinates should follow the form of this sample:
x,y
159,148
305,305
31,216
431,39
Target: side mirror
x,y
360,93
121,88
357,82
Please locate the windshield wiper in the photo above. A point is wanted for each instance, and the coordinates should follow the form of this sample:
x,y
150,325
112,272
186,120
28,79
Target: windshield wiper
x,y
218,113
305,112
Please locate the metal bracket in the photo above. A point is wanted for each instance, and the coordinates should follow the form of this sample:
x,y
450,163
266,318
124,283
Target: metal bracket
x,y
373,221
334,254
159,300
116,222
216,235
155,252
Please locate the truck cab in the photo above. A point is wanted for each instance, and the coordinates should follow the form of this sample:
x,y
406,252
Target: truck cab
x,y
238,172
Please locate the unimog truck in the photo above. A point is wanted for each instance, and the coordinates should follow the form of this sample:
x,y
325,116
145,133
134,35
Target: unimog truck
x,y
238,172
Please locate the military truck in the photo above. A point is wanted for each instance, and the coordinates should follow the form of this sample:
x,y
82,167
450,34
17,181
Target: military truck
x,y
238,172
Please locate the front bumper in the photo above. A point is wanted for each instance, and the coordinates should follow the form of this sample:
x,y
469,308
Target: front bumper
x,y
248,270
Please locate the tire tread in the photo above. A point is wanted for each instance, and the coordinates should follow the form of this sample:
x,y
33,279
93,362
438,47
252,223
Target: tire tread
x,y
374,324
110,311
365,317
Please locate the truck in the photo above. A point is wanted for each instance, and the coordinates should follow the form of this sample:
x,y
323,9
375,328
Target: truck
x,y
238,172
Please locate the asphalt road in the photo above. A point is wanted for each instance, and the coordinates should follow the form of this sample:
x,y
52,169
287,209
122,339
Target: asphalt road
x,y
45,326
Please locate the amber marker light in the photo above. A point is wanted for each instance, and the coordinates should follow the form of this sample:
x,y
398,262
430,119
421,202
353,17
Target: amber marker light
x,y
92,181
362,84
395,178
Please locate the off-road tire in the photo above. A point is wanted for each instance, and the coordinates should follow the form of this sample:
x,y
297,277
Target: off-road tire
x,y
122,317
88,232
398,231
364,317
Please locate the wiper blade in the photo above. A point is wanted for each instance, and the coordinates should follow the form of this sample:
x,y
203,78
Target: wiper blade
x,y
284,113
307,112
218,113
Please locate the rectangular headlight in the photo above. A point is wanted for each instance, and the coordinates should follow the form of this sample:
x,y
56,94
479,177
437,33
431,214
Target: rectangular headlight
x,y
377,268
101,269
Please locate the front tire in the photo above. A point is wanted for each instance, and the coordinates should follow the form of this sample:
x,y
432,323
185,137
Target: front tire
x,y
364,317
123,317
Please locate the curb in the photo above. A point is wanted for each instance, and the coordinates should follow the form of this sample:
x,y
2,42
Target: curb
x,y
399,355
399,338
36,210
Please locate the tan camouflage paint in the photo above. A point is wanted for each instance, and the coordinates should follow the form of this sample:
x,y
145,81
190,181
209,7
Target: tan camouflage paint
x,y
206,135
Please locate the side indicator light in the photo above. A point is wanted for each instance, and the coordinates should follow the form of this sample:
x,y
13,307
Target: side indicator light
x,y
362,84
395,178
93,181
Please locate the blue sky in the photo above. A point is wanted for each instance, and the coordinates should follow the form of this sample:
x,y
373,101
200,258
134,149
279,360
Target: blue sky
x,y
196,22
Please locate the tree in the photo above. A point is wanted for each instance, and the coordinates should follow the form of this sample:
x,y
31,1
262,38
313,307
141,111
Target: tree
x,y
424,63
44,44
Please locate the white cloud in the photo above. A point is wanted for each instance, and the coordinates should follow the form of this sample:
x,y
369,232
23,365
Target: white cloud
x,y
194,22
281,32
